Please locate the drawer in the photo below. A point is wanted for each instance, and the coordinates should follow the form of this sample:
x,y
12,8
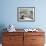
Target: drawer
x,y
12,38
12,44
37,39
13,33
27,41
37,44
34,33
18,44
27,37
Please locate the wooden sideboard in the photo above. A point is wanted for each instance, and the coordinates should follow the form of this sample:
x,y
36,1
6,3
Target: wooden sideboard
x,y
23,38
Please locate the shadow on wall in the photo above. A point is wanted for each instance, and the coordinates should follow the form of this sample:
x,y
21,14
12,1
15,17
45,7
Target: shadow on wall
x,y
2,26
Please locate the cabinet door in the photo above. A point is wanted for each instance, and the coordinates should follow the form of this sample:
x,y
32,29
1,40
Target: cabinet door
x,y
27,40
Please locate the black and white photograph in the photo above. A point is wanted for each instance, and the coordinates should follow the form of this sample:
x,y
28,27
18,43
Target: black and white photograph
x,y
26,14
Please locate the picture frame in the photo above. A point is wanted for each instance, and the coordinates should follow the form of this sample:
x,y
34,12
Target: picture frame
x,y
26,14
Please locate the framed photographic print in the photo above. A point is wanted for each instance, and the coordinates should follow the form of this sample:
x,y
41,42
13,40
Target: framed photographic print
x,y
26,14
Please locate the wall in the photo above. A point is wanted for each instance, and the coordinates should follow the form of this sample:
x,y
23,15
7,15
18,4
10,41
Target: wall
x,y
9,13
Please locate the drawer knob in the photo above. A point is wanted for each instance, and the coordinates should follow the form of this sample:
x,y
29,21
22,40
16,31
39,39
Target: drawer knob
x,y
33,39
11,38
